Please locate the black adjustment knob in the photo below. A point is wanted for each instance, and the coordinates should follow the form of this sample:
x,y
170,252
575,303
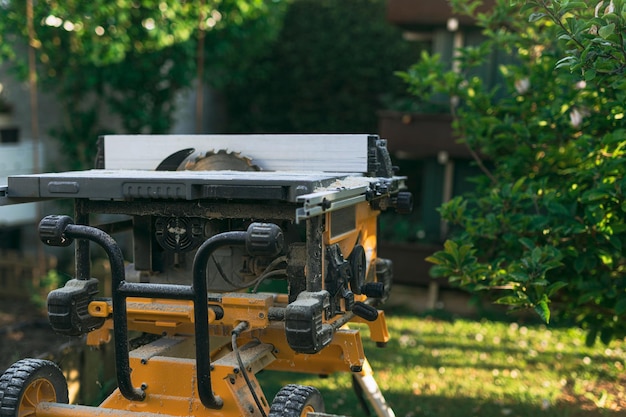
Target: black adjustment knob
x,y
365,311
52,230
264,239
403,202
358,264
373,289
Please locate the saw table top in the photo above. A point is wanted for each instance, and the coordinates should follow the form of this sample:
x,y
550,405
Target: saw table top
x,y
287,186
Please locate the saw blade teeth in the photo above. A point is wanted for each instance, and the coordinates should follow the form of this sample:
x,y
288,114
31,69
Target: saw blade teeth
x,y
218,159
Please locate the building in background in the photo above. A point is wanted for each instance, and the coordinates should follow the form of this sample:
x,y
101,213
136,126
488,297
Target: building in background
x,y
422,140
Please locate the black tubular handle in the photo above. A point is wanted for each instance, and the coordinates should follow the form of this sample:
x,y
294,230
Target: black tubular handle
x,y
260,238
201,312
59,230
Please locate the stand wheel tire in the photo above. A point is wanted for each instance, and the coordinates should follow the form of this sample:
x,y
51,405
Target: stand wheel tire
x,y
29,382
296,401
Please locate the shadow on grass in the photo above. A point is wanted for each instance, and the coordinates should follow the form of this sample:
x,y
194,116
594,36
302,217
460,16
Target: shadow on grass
x,y
427,344
490,312
440,406
421,354
413,390
341,399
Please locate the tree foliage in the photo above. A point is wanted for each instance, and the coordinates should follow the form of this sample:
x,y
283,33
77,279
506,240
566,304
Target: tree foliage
x,y
325,72
131,58
546,226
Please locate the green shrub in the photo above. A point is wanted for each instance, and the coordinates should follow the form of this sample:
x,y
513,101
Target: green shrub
x,y
547,223
326,71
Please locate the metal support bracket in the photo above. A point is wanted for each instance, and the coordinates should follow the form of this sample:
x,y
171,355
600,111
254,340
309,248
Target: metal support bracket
x,y
315,204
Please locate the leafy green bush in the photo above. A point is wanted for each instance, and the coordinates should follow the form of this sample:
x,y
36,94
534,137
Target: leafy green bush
x,y
547,223
326,71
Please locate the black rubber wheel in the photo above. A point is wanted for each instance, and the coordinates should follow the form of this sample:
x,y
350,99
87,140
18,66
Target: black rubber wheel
x,y
296,401
29,382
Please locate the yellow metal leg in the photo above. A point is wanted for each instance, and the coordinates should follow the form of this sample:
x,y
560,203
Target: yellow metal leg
x,y
372,392
45,409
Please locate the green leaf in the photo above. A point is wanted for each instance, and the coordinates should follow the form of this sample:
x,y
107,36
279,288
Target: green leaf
x,y
590,74
616,242
543,310
526,6
442,258
439,271
558,209
518,276
594,195
578,4
620,306
606,31
528,243
511,300
566,62
518,185
554,287
579,264
536,255
536,16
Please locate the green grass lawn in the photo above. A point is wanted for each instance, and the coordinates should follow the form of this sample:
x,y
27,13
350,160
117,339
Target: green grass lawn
x,y
465,368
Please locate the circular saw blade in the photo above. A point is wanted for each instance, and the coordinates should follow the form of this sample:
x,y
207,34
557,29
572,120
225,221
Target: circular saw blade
x,y
221,160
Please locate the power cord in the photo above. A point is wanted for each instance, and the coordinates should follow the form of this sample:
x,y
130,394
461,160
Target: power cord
x,y
240,328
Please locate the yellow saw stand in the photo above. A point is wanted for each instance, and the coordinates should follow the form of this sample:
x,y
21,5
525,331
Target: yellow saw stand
x,y
205,243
